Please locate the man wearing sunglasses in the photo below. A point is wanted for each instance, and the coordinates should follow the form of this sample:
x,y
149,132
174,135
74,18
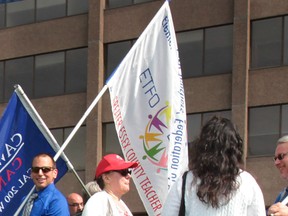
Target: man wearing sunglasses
x,y
281,163
48,199
113,176
76,205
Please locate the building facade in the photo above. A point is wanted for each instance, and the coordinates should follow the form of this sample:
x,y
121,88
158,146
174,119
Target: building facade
x,y
234,57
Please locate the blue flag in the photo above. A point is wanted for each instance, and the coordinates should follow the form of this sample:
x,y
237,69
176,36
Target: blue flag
x,y
20,141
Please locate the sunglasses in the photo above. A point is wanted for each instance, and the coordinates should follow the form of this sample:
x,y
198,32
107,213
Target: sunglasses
x,y
124,172
43,169
280,156
76,204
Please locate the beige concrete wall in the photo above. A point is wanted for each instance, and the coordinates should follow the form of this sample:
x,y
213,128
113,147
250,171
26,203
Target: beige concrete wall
x,y
268,86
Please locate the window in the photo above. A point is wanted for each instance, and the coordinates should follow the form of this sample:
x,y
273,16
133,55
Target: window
x,y
49,74
45,75
190,45
115,52
75,150
77,7
2,16
19,71
122,3
286,40
194,124
284,120
264,129
117,3
76,70
202,52
110,140
47,10
266,42
1,82
206,51
140,1
218,50
19,13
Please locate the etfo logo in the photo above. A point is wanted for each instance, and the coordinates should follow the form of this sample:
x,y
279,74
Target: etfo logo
x,y
156,138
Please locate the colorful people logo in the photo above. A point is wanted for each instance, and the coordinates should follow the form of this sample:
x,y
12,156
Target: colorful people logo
x,y
156,138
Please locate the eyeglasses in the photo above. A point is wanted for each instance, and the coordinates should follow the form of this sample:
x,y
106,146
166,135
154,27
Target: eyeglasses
x,y
280,156
124,172
44,169
76,204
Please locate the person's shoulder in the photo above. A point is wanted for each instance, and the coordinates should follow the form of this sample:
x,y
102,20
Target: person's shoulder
x,y
246,179
101,195
246,175
96,201
55,202
56,193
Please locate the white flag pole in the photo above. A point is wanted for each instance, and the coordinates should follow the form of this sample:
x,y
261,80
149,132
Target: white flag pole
x,y
93,104
48,135
24,202
46,132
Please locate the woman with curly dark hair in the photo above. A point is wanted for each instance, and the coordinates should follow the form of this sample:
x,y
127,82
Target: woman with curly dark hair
x,y
215,184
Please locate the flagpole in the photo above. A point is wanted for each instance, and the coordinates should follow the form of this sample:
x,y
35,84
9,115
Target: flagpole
x,y
46,132
39,122
24,201
92,105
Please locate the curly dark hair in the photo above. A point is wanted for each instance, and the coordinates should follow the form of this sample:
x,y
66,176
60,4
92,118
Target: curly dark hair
x,y
215,158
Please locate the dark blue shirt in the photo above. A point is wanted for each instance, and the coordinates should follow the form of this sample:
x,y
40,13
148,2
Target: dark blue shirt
x,y
50,201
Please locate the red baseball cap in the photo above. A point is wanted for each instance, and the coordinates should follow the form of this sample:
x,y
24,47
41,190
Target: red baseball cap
x,y
113,162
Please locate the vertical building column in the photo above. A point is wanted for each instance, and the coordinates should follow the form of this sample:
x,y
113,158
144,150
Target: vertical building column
x,y
240,74
95,82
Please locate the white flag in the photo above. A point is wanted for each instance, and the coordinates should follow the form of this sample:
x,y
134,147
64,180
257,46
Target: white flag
x,y
148,105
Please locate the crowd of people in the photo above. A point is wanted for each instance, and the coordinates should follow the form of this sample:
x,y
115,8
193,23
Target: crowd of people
x,y
112,180
215,183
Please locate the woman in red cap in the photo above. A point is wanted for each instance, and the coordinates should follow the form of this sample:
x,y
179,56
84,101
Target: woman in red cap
x,y
113,176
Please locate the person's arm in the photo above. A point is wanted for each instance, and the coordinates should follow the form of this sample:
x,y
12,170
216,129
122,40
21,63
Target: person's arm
x,y
173,200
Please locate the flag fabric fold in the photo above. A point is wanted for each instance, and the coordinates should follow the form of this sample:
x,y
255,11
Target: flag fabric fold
x,y
20,141
149,111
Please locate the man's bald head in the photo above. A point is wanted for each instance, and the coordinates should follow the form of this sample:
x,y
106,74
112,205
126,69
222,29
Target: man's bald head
x,y
75,202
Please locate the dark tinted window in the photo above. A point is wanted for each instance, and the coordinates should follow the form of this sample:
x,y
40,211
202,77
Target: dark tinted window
x,y
19,71
76,70
19,13
49,74
266,42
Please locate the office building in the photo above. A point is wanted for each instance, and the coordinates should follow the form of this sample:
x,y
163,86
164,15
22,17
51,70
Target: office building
x,y
234,57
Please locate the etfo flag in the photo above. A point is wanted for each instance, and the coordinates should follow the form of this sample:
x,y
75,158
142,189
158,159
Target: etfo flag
x,y
148,105
20,141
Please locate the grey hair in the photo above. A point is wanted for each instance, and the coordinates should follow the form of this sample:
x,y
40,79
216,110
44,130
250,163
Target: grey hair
x,y
283,139
92,187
